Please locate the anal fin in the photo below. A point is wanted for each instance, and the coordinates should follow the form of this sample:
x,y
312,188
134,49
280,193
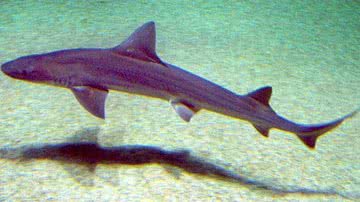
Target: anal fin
x,y
264,131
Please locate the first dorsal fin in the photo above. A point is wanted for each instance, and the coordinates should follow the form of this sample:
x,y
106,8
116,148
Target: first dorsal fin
x,y
140,44
262,95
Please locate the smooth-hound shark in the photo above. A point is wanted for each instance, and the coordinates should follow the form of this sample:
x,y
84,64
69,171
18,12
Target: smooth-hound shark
x,y
134,67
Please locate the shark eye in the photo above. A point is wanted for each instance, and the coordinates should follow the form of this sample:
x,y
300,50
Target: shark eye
x,y
27,70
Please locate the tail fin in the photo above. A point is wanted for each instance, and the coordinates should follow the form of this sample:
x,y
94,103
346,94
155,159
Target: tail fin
x,y
308,134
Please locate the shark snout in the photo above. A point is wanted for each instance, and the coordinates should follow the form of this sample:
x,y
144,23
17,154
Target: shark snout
x,y
7,68
16,69
25,68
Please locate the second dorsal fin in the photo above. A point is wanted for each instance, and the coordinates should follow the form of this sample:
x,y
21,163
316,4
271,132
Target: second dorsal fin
x,y
140,44
262,95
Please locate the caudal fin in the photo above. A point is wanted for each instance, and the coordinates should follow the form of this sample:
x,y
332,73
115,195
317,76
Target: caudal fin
x,y
308,134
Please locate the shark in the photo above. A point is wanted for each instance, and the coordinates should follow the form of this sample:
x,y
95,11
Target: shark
x,y
134,67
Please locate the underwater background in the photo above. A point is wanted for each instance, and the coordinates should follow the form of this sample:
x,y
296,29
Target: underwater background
x,y
308,51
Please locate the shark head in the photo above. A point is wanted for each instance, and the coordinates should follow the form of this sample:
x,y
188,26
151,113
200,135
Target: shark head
x,y
28,68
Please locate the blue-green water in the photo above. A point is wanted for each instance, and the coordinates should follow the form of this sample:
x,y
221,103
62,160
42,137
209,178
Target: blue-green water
x,y
308,51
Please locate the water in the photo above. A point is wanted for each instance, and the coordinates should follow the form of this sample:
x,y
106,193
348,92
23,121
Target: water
x,y
308,51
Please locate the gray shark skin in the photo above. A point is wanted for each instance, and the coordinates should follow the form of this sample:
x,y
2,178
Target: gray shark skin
x,y
134,67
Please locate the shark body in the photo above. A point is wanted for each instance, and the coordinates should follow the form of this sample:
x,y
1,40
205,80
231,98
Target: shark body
x,y
134,67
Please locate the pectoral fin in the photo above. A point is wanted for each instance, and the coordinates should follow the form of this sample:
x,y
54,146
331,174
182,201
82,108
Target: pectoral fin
x,y
92,99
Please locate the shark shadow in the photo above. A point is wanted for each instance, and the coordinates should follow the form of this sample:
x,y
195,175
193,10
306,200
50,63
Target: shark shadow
x,y
82,154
